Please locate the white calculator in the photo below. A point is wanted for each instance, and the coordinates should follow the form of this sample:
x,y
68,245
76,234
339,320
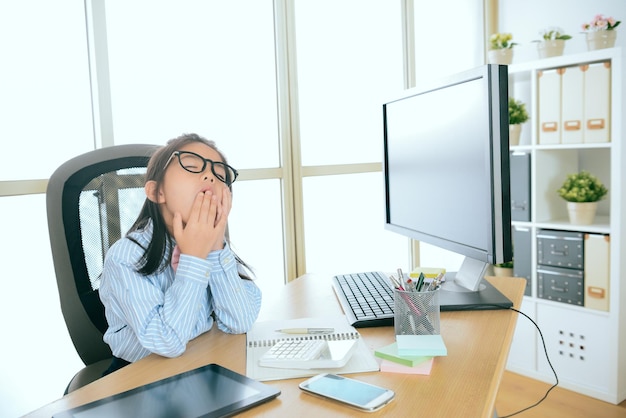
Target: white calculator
x,y
294,353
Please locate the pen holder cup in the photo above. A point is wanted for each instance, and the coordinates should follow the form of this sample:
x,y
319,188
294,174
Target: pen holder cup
x,y
416,313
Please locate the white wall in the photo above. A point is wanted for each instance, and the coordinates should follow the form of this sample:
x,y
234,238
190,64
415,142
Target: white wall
x,y
526,19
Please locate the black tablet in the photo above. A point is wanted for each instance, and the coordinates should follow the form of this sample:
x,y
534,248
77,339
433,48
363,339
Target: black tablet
x,y
209,391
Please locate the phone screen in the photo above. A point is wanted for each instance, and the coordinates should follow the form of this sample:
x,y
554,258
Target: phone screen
x,y
348,390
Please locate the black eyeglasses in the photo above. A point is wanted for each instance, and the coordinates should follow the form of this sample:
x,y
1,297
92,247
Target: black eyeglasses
x,y
195,163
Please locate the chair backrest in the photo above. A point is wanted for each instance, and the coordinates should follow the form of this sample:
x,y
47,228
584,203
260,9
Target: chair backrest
x,y
92,200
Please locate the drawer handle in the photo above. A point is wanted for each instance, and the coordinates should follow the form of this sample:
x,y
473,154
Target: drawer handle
x,y
595,124
559,289
563,253
549,126
572,125
518,206
595,292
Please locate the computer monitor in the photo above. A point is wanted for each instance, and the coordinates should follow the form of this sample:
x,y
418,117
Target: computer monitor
x,y
446,169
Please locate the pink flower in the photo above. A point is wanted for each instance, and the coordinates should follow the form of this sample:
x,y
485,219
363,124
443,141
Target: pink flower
x,y
600,22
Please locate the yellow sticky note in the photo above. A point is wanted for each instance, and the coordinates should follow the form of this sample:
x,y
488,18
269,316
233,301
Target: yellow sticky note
x,y
429,272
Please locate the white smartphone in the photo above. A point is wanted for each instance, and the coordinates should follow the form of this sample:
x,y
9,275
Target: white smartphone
x,y
360,395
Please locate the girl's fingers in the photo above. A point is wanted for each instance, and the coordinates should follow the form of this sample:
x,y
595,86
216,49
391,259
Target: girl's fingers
x,y
196,208
207,208
203,209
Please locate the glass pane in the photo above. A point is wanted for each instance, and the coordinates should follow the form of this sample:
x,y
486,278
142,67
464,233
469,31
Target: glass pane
x,y
195,66
345,231
344,76
432,256
442,52
44,79
256,230
30,311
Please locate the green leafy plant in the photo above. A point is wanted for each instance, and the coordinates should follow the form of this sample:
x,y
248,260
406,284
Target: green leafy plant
x,y
507,265
501,41
517,112
600,22
553,33
582,187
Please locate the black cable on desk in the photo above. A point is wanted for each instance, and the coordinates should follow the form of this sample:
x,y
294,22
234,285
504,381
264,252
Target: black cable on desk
x,y
549,362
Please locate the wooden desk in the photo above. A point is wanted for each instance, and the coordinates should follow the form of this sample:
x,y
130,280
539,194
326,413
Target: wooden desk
x,y
464,383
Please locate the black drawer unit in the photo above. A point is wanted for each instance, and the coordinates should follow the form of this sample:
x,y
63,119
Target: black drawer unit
x,y
561,285
560,248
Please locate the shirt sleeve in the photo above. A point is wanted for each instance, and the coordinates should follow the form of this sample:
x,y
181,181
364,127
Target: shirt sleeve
x,y
236,301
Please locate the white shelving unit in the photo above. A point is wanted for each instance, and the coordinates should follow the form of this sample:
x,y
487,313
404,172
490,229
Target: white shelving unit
x,y
587,347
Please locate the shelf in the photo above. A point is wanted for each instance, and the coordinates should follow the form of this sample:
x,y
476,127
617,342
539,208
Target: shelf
x,y
583,341
597,145
601,225
564,60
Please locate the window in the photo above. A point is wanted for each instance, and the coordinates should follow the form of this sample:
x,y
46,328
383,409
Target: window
x,y
343,78
44,80
207,68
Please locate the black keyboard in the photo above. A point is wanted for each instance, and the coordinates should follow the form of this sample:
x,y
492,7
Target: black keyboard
x,y
366,298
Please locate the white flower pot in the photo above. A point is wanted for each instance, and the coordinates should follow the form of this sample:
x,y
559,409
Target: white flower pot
x,y
582,213
515,132
502,271
551,48
500,56
601,39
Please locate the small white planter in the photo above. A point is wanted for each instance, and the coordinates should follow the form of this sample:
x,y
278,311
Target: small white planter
x,y
515,132
551,48
582,213
502,271
500,56
601,39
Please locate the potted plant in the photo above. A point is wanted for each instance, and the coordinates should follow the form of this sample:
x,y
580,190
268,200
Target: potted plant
x,y
503,269
500,48
582,191
517,116
552,43
601,32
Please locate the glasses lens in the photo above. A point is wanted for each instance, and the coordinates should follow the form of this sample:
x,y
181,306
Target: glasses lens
x,y
191,162
224,172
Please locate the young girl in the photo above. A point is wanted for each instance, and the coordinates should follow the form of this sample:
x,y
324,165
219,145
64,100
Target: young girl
x,y
174,273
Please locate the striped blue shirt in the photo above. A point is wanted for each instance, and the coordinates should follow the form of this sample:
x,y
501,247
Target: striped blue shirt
x,y
162,312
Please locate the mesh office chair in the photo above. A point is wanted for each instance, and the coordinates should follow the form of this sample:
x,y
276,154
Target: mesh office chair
x,y
92,200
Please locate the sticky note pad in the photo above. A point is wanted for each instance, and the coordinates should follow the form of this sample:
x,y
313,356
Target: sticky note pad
x,y
390,352
429,272
422,368
421,345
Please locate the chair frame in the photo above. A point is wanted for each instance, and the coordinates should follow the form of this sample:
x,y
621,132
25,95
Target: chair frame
x,y
81,307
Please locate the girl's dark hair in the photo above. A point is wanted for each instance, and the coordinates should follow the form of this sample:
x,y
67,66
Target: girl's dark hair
x,y
155,253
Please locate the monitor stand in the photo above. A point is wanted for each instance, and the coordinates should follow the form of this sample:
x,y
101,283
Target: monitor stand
x,y
468,290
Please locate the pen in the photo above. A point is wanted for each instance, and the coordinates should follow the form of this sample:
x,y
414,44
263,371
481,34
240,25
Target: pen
x,y
395,283
420,283
400,275
306,330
